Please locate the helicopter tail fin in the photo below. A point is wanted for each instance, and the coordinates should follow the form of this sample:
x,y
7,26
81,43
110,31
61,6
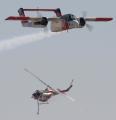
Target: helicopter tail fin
x,y
66,90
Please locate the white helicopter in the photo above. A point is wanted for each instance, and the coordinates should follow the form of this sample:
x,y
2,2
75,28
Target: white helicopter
x,y
42,96
58,23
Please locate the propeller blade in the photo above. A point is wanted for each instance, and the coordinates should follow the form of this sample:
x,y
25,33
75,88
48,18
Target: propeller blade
x,y
84,14
38,13
89,27
46,29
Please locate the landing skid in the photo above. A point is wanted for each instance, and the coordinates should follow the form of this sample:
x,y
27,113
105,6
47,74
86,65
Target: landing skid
x,y
38,107
40,103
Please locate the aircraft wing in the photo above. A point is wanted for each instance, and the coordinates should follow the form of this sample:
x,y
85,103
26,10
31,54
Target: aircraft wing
x,y
99,19
39,19
53,19
23,18
34,19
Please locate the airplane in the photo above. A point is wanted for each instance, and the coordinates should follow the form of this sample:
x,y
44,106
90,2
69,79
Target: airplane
x,y
42,96
58,23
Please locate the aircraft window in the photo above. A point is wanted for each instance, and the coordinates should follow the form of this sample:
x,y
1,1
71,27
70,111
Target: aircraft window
x,y
71,17
68,17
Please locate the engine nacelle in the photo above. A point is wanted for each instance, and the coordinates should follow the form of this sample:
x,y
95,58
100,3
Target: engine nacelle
x,y
82,22
56,26
43,21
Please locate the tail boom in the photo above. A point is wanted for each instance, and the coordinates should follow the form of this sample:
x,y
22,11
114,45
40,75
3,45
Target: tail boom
x,y
66,90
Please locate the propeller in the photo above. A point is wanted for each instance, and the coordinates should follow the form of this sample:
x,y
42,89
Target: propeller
x,y
39,15
83,21
84,14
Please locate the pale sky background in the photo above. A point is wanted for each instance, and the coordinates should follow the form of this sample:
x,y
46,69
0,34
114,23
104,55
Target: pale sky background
x,y
88,57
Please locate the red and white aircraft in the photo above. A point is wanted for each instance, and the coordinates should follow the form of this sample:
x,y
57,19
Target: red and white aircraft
x,y
58,23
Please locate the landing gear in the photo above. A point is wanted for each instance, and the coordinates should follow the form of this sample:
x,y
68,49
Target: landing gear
x,y
38,107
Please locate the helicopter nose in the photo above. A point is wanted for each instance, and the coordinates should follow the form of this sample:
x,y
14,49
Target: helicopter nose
x,y
32,96
36,95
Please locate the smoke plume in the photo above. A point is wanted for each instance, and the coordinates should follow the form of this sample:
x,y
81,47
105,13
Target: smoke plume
x,y
15,42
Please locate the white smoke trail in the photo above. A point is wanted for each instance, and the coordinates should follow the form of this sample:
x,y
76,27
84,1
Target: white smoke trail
x,y
22,40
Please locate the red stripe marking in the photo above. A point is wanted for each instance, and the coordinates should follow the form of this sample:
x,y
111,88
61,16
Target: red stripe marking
x,y
17,18
104,19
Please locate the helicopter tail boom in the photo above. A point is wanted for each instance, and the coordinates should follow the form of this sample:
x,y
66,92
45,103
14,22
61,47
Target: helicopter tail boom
x,y
66,90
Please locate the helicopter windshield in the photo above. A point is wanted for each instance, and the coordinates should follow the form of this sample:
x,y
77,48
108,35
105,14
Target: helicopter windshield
x,y
68,17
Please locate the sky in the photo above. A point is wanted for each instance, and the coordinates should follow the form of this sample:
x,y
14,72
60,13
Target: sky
x,y
87,57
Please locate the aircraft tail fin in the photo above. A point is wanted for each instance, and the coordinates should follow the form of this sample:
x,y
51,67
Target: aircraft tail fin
x,y
58,12
22,14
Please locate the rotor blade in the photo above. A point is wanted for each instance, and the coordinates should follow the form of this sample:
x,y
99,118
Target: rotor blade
x,y
39,79
67,96
70,98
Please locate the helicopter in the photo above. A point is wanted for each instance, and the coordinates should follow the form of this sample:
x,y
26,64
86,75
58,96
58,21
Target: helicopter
x,y
42,96
59,23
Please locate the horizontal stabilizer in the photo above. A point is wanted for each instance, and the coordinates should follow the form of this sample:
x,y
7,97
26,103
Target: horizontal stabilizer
x,y
39,9
56,11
